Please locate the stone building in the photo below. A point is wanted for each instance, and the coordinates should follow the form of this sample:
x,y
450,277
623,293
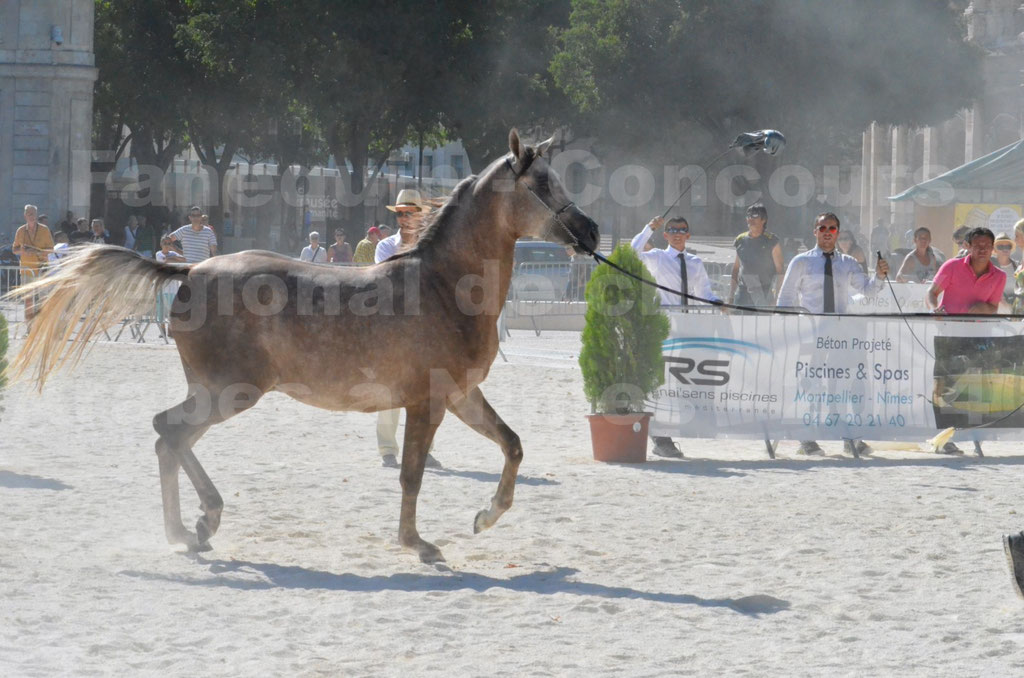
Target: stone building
x,y
46,83
896,158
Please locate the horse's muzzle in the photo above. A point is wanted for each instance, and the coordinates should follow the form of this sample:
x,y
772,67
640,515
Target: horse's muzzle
x,y
586,232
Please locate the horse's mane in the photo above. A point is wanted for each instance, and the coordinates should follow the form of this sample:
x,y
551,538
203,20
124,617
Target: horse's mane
x,y
433,224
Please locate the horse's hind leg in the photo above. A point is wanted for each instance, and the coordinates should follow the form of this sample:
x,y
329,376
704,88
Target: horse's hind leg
x,y
419,433
179,429
176,436
481,417
210,501
170,464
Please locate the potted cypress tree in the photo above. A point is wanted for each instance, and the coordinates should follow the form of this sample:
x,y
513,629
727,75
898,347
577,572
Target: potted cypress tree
x,y
621,357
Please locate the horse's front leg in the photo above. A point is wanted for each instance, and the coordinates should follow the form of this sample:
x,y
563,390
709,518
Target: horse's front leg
x,y
481,417
419,433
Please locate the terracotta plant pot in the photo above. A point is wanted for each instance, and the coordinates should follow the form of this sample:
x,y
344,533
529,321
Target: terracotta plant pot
x,y
619,438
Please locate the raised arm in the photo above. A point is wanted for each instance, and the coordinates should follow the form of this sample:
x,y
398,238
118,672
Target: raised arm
x,y
639,242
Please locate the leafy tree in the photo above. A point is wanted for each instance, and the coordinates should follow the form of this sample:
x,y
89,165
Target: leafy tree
x,y
366,74
248,56
238,78
634,69
499,76
137,96
621,356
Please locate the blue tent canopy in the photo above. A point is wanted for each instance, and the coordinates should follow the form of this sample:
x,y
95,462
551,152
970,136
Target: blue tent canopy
x,y
1001,170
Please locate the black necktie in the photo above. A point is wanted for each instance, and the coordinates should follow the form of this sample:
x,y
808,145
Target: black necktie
x,y
830,290
685,286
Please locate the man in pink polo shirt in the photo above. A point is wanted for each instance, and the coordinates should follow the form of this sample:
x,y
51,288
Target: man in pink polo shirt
x,y
969,284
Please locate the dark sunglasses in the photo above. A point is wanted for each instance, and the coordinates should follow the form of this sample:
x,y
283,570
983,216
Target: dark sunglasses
x,y
1004,248
677,229
827,227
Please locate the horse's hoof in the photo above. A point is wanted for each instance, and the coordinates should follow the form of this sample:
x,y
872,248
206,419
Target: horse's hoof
x,y
430,553
200,548
482,521
180,535
203,531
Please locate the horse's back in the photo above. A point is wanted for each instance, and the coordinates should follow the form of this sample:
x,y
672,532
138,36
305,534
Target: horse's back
x,y
271,320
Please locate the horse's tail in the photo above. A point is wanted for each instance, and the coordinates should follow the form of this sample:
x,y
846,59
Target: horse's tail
x,y
97,284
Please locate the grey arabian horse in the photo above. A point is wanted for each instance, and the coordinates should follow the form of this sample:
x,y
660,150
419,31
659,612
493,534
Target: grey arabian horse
x,y
249,323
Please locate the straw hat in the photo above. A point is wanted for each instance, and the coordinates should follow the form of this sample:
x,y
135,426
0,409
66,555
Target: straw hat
x,y
408,198
1002,237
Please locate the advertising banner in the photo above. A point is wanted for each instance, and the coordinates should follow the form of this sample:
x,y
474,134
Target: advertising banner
x,y
995,217
836,377
911,297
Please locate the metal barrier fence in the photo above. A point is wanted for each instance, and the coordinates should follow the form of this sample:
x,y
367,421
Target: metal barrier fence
x,y
136,326
558,281
568,281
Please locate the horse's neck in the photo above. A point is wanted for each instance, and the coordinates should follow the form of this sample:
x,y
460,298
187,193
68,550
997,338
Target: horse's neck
x,y
472,241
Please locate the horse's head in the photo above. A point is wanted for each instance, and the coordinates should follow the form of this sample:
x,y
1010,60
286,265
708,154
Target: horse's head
x,y
540,201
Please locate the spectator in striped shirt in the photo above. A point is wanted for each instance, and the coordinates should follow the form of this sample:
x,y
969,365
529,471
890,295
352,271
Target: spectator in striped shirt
x,y
198,242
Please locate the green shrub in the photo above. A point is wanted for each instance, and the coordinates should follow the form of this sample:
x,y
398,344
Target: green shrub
x,y
625,327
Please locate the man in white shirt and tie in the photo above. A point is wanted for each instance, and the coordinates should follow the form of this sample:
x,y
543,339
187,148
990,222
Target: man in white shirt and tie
x,y
666,264
822,280
675,268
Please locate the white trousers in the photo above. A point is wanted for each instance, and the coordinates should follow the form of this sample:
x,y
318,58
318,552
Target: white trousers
x,y
387,433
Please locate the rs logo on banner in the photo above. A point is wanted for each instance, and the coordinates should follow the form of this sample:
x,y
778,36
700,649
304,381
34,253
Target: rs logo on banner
x,y
681,367
708,372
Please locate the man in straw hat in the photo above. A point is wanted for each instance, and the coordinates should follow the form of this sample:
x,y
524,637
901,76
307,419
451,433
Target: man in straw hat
x,y
408,209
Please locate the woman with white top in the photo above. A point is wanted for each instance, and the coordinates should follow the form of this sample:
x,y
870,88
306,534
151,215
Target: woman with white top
x,y
922,263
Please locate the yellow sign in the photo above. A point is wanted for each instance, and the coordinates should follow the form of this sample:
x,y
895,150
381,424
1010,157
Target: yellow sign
x,y
997,218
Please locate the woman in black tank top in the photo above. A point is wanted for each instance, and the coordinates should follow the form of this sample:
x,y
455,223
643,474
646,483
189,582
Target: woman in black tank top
x,y
758,262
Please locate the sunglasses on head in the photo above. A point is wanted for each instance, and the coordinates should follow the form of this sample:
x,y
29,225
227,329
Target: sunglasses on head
x,y
831,228
677,229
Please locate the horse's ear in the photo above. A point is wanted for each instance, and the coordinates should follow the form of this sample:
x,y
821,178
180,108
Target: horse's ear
x,y
514,144
542,147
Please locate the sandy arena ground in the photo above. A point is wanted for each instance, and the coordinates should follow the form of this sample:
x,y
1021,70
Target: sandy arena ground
x,y
726,563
